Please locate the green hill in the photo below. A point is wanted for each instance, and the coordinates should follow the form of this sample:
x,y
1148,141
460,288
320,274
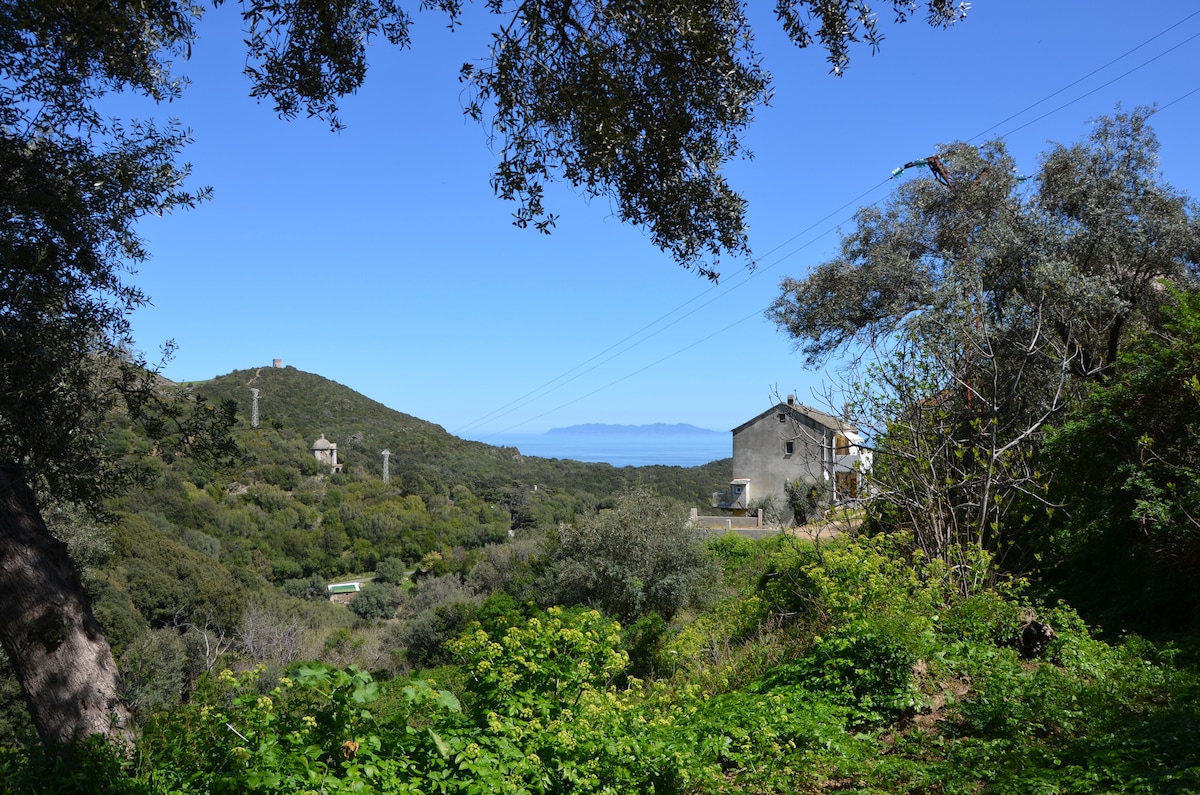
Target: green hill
x,y
310,405
205,553
279,517
424,457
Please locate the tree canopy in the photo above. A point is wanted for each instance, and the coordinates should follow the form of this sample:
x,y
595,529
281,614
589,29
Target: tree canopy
x,y
981,301
1079,254
642,102
635,558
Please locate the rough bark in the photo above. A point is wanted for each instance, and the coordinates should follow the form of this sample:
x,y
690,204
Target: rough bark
x,y
66,669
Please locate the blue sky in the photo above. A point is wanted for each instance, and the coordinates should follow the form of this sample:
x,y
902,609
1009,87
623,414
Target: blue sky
x,y
378,256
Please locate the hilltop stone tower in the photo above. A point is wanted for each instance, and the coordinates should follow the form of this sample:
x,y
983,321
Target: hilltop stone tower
x,y
325,451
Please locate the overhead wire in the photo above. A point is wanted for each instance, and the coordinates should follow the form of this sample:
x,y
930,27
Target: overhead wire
x,y
759,268
747,276
1102,86
1179,98
544,389
1076,82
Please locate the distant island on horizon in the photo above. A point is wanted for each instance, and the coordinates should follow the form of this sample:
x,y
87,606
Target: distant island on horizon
x,y
656,429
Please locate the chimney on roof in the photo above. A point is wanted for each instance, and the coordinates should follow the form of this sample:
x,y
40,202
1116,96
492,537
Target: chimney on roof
x,y
791,400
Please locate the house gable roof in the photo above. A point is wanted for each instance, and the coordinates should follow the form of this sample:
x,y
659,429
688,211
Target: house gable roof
x,y
797,410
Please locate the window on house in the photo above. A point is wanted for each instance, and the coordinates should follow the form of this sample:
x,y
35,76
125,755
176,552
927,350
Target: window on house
x,y
789,448
842,444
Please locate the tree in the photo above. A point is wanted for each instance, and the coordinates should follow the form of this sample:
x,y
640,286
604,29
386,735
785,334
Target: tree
x,y
73,186
1129,481
642,102
981,305
1085,250
635,558
639,101
954,451
272,633
376,600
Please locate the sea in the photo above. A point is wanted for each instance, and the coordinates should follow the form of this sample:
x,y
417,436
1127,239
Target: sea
x,y
622,450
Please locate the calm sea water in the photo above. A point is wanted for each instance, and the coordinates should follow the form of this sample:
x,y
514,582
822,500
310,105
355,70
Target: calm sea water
x,y
622,450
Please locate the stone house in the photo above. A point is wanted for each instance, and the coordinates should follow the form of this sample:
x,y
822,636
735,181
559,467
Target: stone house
x,y
797,444
325,451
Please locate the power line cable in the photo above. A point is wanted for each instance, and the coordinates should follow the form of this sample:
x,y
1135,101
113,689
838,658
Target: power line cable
x,y
554,384
1095,71
1103,85
749,275
627,376
544,389
1180,98
756,313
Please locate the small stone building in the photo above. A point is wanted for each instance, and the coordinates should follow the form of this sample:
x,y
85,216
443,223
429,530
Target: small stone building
x,y
325,451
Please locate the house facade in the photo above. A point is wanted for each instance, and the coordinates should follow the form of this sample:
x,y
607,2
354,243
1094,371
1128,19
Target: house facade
x,y
792,443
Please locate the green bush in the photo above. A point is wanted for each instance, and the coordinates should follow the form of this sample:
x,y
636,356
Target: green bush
x,y
313,732
635,558
376,600
391,570
91,766
314,587
154,671
865,667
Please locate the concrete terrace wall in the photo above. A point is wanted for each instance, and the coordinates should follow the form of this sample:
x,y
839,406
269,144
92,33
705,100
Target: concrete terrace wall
x,y
725,522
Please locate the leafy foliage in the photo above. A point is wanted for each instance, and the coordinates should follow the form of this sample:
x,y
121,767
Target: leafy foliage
x,y
635,558
311,732
1127,470
891,679
618,108
76,184
981,307
376,600
1079,258
641,102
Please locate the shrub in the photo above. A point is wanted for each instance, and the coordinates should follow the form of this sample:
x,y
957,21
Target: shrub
x,y
313,732
637,557
391,571
376,600
314,588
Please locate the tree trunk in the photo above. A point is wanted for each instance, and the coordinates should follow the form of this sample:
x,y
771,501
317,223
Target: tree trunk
x,y
66,668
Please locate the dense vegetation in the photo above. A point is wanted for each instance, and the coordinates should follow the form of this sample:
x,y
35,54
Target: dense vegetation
x,y
533,626
561,657
204,560
851,665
